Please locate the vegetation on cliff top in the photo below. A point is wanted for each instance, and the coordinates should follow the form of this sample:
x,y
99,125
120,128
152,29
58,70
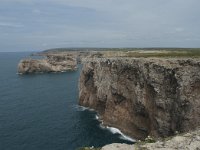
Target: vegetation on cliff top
x,y
133,52
165,53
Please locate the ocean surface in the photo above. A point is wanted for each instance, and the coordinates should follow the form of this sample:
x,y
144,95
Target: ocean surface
x,y
40,111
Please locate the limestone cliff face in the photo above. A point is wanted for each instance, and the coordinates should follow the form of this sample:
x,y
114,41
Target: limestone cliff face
x,y
52,63
143,96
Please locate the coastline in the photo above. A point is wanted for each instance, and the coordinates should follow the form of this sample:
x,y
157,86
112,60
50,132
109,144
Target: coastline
x,y
103,126
170,69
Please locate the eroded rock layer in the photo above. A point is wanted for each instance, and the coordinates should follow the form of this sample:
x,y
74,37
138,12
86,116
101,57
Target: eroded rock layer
x,y
143,96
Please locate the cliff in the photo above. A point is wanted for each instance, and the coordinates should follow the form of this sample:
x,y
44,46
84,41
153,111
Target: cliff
x,y
143,96
52,63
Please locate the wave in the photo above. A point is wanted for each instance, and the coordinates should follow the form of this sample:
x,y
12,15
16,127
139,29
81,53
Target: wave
x,y
30,73
117,131
19,73
82,108
111,129
96,117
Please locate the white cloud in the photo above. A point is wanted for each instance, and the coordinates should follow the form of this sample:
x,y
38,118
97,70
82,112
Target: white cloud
x,y
12,25
136,23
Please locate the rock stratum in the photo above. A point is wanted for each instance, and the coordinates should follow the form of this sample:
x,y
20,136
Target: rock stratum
x,y
143,96
52,63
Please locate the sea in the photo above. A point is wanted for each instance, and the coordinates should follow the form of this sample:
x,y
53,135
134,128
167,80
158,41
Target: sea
x,y
41,111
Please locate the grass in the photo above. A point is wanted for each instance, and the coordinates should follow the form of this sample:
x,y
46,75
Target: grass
x,y
185,53
194,53
135,52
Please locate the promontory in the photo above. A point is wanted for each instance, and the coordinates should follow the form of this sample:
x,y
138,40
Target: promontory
x,y
51,63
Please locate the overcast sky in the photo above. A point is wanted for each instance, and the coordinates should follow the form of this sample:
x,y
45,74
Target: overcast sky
x,y
29,25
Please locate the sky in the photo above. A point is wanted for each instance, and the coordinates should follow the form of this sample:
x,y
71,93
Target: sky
x,y
32,25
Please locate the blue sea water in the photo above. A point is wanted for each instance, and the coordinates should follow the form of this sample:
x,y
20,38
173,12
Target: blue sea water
x,y
40,111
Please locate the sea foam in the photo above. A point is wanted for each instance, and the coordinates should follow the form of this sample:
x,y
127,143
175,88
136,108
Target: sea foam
x,y
117,131
111,129
82,108
96,117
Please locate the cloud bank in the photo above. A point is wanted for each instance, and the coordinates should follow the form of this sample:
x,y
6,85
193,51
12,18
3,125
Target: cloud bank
x,y
36,25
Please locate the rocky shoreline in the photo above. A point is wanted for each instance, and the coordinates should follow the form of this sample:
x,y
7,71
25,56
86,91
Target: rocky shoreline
x,y
143,96
186,141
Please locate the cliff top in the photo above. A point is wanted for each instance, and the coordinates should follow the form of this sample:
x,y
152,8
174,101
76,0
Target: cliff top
x,y
128,52
167,62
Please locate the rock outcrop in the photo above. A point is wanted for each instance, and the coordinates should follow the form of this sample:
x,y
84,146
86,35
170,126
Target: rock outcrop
x,y
143,96
187,141
52,63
